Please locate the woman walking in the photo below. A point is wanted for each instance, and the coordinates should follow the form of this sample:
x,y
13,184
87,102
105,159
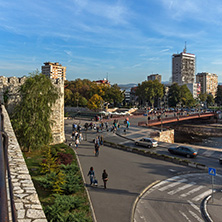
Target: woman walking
x,y
91,175
105,178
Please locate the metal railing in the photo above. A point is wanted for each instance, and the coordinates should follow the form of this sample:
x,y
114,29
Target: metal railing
x,y
4,172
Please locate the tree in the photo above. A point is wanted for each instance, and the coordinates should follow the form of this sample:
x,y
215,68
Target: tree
x,y
186,97
95,102
203,97
218,98
210,100
68,95
31,118
174,95
113,94
150,91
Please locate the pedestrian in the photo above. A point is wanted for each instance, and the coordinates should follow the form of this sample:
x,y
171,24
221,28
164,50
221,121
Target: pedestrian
x,y
101,140
77,143
73,135
91,175
105,178
80,137
96,149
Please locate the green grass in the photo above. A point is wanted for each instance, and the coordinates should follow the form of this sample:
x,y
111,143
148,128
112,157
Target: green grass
x,y
80,211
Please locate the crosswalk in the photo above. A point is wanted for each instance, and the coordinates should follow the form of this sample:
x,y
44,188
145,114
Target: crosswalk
x,y
184,192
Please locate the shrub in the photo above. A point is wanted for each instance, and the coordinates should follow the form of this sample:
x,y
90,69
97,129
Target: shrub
x,y
65,158
66,208
73,179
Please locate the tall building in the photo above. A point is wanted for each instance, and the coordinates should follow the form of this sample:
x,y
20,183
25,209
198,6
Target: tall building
x,y
54,70
208,81
183,68
154,77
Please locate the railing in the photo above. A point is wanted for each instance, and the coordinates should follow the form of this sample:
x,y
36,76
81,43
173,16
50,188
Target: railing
x,y
4,172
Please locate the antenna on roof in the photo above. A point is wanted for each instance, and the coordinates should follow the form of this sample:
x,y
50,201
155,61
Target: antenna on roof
x,y
107,76
185,48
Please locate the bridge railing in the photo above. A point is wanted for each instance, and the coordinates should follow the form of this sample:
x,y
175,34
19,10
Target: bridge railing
x,y
4,174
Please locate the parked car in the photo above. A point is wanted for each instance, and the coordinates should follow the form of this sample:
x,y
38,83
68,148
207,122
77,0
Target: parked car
x,y
184,151
147,142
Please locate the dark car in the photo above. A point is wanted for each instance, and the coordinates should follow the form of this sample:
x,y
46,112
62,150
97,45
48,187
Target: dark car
x,y
147,142
184,151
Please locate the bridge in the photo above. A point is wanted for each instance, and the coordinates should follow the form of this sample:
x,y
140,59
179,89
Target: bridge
x,y
171,119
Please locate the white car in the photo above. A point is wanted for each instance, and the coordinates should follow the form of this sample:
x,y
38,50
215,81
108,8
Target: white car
x,y
147,142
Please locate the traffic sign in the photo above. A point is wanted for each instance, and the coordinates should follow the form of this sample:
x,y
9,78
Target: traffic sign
x,y
212,171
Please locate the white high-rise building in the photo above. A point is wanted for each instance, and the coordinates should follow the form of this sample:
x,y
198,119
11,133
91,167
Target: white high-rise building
x,y
183,68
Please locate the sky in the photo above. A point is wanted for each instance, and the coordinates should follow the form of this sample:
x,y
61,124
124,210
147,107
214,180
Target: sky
x,y
124,40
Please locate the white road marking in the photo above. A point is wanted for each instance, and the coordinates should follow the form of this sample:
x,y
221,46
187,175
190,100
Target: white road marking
x,y
192,191
181,188
167,181
202,195
196,216
173,184
208,153
194,206
185,216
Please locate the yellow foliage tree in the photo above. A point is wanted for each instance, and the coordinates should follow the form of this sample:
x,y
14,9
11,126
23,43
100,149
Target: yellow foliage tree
x,y
95,102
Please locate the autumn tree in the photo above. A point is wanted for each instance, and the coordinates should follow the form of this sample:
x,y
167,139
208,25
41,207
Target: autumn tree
x,y
95,102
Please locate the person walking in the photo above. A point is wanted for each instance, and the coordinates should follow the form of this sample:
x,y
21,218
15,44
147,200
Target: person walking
x,y
105,178
77,143
96,149
91,175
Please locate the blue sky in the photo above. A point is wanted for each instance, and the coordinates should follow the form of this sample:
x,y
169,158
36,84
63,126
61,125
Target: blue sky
x,y
124,39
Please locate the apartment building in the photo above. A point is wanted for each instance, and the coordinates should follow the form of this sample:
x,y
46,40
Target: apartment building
x,y
183,68
54,70
208,81
154,77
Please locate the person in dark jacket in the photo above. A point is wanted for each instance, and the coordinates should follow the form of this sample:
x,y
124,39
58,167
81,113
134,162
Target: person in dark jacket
x,y
105,178
91,175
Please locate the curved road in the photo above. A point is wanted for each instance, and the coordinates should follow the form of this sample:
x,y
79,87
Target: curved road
x,y
129,174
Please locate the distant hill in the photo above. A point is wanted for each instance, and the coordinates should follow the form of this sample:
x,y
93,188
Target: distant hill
x,y
127,86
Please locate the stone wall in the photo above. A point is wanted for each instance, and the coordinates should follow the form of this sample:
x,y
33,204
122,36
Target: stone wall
x,y
9,94
166,136
27,204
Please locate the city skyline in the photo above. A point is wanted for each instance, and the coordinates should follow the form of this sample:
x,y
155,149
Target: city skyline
x,y
123,40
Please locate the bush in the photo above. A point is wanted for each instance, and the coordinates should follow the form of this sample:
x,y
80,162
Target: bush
x,y
73,179
65,158
66,208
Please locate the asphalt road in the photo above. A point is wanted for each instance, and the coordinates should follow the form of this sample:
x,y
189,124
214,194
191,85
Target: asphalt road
x,y
129,175
176,199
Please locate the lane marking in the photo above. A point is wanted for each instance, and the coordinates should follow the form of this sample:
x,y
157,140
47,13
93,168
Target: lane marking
x,y
192,191
194,206
173,184
181,188
166,181
202,195
185,216
196,216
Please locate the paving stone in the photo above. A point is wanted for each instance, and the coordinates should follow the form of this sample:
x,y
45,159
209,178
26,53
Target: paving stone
x,y
21,213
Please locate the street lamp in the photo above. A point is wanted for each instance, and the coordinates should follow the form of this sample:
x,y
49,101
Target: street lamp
x,y
161,106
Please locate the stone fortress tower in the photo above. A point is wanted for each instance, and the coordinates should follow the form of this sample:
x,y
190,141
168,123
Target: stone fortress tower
x,y
9,96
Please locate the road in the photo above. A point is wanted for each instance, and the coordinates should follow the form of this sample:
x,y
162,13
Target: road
x,y
176,199
129,175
